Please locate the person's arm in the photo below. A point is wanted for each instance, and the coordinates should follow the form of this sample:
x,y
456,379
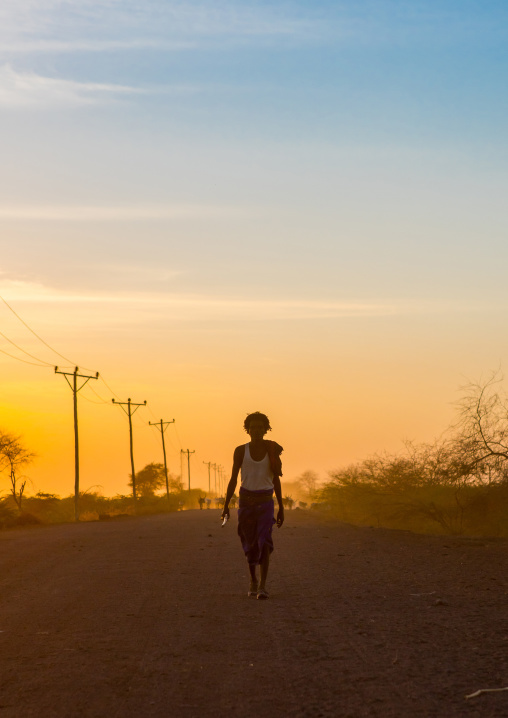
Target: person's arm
x,y
278,493
237,464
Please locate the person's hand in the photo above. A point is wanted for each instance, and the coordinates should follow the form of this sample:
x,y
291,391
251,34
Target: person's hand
x,y
225,513
280,517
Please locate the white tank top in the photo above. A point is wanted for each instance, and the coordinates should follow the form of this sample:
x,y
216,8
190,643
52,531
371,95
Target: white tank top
x,y
256,475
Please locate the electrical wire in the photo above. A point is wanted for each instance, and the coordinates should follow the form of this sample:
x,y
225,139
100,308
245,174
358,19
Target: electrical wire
x,y
108,387
105,401
99,403
167,435
43,361
172,445
140,421
102,399
124,413
45,364
151,412
36,335
177,436
23,360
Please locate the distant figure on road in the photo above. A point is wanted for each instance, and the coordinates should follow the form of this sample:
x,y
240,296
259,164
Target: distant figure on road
x,y
261,469
201,501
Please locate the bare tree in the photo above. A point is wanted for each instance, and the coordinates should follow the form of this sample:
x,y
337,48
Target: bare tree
x,y
482,429
13,456
308,482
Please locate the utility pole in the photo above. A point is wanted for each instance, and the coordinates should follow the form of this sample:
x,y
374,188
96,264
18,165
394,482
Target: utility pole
x,y
163,425
208,463
74,387
129,413
221,477
186,451
214,467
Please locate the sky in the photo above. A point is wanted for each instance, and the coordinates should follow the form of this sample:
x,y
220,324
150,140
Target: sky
x,y
224,207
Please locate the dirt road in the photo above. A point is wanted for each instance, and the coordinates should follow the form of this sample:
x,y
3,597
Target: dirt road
x,y
150,617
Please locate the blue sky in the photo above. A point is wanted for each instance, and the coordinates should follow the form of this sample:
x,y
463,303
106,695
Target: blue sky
x,y
373,127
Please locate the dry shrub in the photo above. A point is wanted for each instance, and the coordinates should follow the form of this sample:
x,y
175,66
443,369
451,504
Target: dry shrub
x,y
89,516
426,489
50,509
25,519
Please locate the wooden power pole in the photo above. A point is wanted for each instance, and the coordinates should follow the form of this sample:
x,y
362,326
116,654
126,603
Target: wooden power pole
x,y
186,451
163,425
221,483
75,389
129,404
208,463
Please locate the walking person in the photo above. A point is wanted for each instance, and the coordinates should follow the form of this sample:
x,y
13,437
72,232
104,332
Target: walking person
x,y
260,466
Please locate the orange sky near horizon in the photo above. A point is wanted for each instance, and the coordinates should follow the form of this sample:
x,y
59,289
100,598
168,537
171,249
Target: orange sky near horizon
x,y
335,389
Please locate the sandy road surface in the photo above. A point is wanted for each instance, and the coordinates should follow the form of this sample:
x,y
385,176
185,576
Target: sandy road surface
x,y
149,617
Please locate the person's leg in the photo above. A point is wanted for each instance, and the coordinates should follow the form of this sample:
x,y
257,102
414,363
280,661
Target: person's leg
x,y
265,563
253,588
247,534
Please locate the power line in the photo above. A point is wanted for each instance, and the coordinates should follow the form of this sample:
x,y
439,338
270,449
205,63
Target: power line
x,y
149,423
36,335
173,445
23,360
104,401
178,437
108,387
98,403
24,351
151,412
142,423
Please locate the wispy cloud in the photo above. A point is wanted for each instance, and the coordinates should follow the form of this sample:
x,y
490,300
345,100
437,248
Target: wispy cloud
x,y
149,273
63,26
27,89
96,25
81,45
118,213
130,308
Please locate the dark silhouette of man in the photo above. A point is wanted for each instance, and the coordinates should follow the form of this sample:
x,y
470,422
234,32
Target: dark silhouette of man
x,y
260,466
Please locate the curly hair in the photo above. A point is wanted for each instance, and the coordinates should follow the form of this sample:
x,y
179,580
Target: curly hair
x,y
257,415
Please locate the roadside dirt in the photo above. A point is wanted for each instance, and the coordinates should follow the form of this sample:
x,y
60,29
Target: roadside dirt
x,y
150,617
